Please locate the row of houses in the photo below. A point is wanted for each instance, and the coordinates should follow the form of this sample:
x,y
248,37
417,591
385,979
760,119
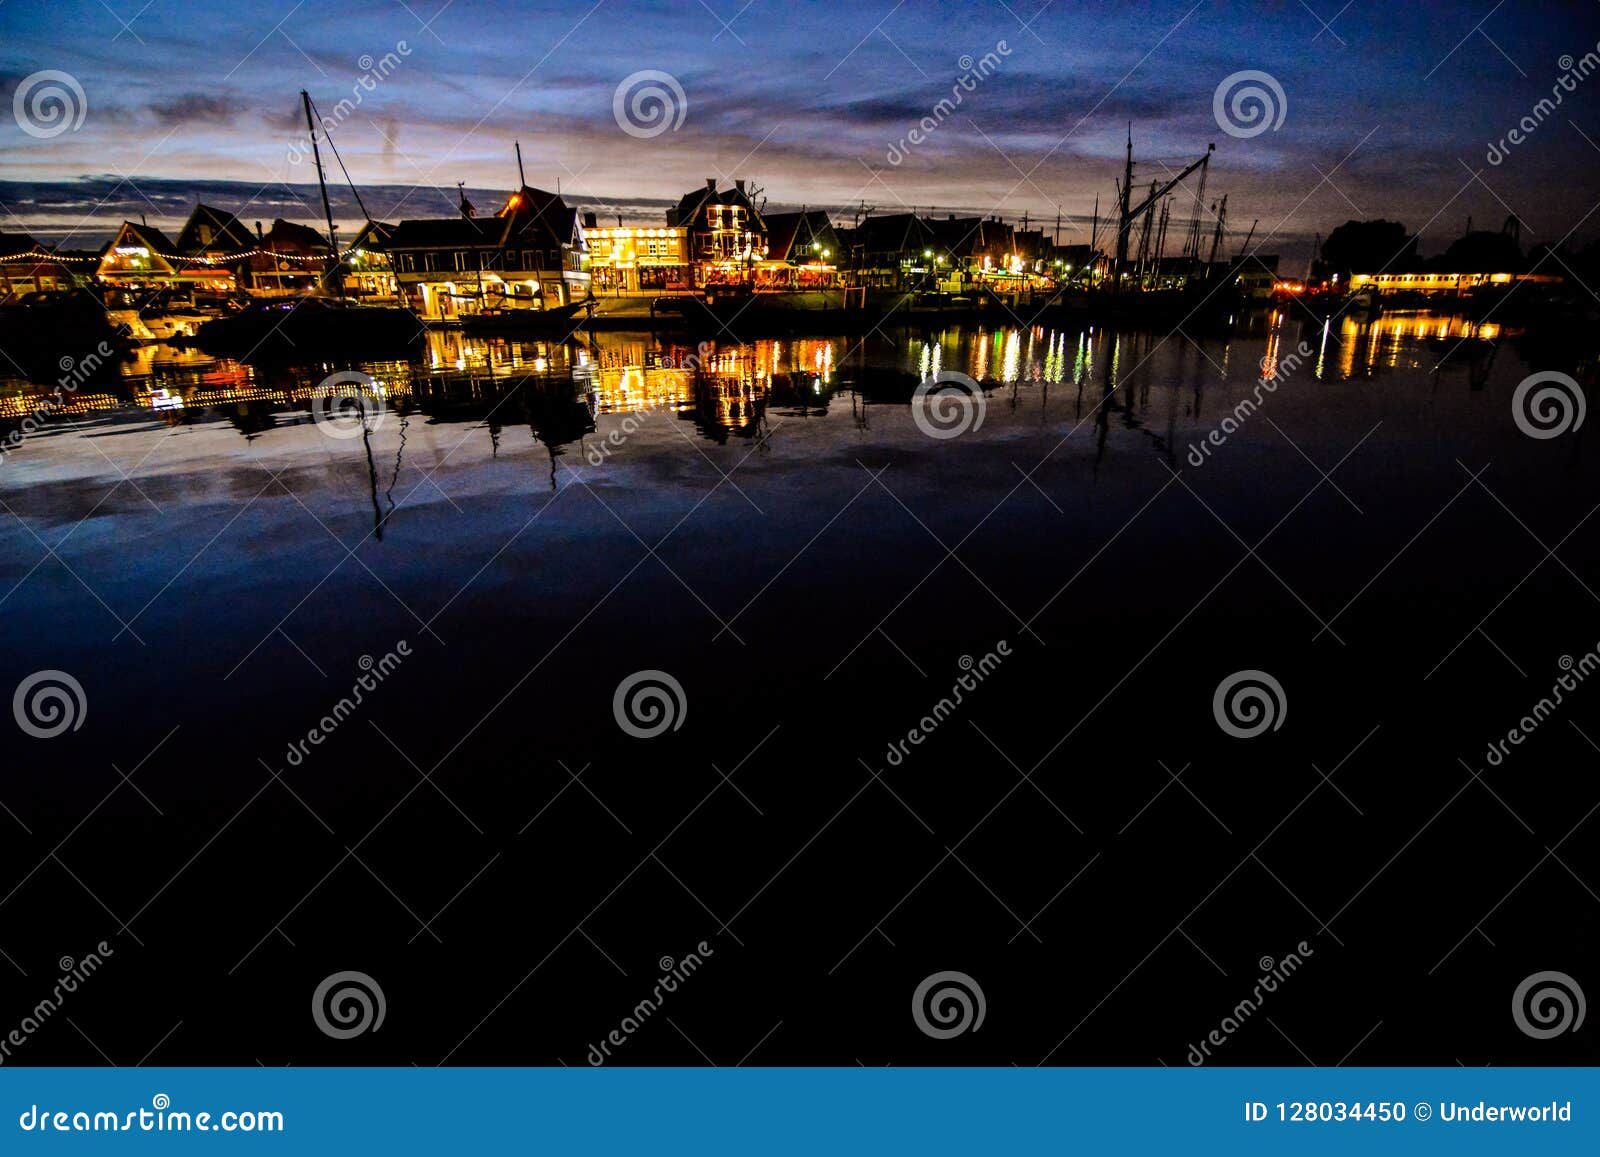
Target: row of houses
x,y
538,252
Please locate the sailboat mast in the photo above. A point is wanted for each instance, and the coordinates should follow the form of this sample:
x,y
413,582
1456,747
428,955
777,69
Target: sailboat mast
x,y
322,180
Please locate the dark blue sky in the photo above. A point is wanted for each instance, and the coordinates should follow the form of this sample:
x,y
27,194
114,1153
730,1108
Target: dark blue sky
x,y
1388,110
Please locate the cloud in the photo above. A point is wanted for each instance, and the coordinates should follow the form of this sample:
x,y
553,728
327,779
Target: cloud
x,y
196,107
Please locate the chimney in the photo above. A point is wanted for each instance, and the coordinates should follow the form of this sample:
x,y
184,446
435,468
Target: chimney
x,y
711,184
258,231
589,221
739,184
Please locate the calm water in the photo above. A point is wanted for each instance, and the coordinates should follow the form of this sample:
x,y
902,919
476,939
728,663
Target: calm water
x,y
538,521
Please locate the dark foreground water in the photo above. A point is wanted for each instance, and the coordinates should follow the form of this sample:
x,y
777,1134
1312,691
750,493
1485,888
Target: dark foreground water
x,y
820,828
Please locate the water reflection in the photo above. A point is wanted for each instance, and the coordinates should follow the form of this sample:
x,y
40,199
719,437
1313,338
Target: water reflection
x,y
726,392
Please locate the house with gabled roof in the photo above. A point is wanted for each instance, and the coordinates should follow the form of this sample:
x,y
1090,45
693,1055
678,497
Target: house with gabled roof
x,y
140,256
803,251
533,254
727,233
288,259
29,267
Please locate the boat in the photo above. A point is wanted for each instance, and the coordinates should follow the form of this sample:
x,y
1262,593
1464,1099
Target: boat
x,y
315,324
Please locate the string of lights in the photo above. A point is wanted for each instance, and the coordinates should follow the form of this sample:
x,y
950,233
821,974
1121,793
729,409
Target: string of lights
x,y
36,254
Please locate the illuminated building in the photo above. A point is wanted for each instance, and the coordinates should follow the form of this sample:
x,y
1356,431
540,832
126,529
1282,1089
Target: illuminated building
x,y
639,259
803,252
27,267
1444,283
533,254
727,234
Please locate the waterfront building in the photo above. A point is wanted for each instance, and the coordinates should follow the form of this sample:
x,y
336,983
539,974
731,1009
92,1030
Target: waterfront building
x,y
533,254
287,259
727,234
368,273
1434,284
639,260
27,267
803,252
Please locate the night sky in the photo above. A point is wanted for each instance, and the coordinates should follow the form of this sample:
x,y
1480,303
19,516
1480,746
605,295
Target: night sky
x,y
1390,109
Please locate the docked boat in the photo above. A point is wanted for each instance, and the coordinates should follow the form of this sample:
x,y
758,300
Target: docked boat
x,y
312,325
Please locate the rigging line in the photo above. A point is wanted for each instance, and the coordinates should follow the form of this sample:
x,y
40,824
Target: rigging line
x,y
327,136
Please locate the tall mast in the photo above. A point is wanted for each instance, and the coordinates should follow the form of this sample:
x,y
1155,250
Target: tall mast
x,y
322,180
521,178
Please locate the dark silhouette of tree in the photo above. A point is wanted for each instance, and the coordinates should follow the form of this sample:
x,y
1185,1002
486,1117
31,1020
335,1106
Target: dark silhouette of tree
x,y
1483,252
1368,246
